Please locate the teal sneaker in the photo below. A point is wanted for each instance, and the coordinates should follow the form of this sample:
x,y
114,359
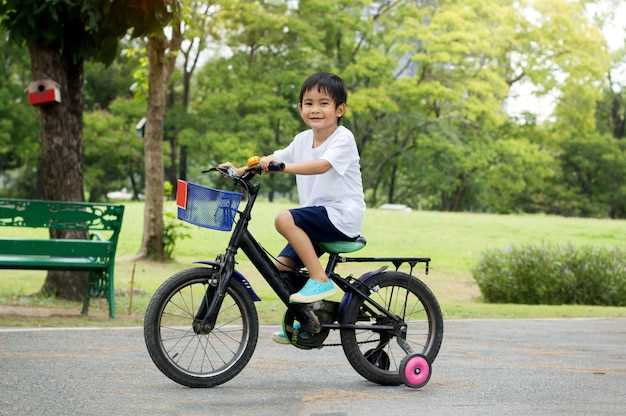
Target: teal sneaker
x,y
280,337
313,291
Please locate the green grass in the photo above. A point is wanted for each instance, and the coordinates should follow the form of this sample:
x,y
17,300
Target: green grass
x,y
454,241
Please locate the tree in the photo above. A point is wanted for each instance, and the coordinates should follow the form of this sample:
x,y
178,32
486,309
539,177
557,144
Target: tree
x,y
162,52
60,35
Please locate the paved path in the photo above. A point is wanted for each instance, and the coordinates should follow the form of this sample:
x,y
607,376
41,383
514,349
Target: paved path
x,y
491,367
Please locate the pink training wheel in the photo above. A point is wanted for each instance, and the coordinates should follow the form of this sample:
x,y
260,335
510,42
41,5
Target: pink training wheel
x,y
415,371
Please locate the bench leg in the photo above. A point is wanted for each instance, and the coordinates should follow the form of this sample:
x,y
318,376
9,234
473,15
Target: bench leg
x,y
111,290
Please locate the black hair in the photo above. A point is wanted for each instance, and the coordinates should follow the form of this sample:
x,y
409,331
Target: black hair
x,y
329,83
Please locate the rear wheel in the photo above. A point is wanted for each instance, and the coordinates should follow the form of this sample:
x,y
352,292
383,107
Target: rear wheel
x,y
406,297
193,357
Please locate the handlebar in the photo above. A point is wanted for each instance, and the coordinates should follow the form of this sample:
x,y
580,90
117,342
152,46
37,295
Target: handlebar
x,y
275,166
231,172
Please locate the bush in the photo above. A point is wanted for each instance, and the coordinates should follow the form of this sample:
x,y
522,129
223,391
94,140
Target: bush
x,y
554,275
173,230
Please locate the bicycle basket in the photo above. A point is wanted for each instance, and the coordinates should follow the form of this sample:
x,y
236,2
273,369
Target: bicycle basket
x,y
206,207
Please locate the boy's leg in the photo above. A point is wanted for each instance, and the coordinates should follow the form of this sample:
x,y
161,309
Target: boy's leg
x,y
300,226
285,264
301,243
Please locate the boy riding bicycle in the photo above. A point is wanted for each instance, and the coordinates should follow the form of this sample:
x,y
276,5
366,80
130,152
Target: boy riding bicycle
x,y
382,307
325,161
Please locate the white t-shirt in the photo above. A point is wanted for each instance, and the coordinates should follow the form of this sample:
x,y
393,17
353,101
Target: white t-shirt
x,y
339,189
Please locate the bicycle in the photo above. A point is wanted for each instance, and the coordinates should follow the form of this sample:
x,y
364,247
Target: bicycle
x,y
207,338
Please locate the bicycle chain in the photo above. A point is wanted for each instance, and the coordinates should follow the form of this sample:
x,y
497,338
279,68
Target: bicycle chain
x,y
339,345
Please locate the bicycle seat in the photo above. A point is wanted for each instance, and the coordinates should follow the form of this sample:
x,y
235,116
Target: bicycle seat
x,y
337,247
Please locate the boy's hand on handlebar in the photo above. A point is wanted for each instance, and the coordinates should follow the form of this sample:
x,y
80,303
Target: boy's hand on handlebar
x,y
255,166
265,163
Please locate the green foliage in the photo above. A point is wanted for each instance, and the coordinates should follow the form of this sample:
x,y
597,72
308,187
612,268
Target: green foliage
x,y
173,230
167,188
554,275
19,129
113,152
594,170
515,176
83,29
103,83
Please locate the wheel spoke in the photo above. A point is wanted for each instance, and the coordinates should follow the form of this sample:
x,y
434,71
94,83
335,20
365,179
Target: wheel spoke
x,y
223,343
190,332
207,355
183,336
213,347
224,333
181,309
414,307
194,351
180,295
175,329
185,349
193,310
406,297
226,323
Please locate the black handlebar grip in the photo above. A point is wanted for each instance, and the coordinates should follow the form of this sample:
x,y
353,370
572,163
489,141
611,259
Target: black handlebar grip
x,y
276,166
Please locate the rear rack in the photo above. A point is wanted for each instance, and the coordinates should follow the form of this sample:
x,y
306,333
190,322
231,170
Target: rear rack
x,y
396,261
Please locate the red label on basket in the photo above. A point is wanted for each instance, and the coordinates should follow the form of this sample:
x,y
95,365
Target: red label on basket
x,y
181,194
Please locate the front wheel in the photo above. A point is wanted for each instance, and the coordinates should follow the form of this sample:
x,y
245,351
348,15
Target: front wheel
x,y
377,355
193,357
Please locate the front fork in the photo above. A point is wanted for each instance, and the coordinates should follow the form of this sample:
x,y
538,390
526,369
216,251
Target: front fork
x,y
204,321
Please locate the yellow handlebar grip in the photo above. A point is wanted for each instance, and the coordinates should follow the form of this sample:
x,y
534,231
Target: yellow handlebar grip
x,y
253,161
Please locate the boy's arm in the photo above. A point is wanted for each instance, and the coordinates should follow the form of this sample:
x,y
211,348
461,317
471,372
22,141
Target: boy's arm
x,y
313,167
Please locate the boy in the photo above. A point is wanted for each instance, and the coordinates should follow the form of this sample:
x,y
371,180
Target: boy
x,y
325,161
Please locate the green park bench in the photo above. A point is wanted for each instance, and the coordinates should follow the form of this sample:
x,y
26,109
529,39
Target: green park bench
x,y
95,255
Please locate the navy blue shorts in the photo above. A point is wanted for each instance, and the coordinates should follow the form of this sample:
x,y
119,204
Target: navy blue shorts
x,y
315,223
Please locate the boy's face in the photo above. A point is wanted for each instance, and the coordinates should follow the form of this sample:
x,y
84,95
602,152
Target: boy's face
x,y
318,110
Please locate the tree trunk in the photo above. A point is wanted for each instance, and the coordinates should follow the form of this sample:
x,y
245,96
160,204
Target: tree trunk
x,y
161,59
61,153
392,182
394,172
133,185
152,245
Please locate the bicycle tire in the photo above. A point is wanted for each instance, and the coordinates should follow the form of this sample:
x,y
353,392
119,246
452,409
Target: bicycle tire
x,y
155,343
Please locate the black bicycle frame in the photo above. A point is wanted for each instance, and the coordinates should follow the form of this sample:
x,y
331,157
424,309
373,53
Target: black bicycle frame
x,y
241,238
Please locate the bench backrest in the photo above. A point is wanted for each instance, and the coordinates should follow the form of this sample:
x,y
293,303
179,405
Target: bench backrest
x,y
61,215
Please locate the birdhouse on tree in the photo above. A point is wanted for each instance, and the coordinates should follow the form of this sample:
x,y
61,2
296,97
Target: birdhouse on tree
x,y
43,91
